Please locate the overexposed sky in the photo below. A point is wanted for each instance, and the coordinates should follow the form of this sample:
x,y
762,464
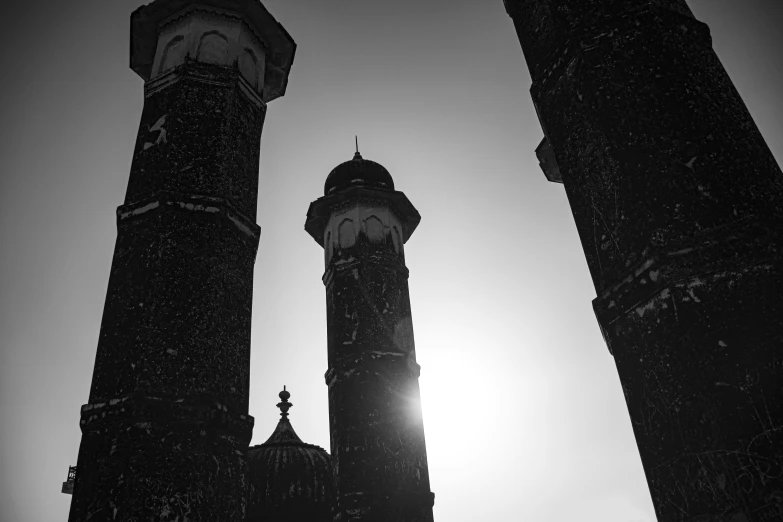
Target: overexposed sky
x,y
523,411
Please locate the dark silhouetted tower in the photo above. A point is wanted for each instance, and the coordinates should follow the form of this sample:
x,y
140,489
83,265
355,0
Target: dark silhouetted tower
x,y
677,201
166,430
377,437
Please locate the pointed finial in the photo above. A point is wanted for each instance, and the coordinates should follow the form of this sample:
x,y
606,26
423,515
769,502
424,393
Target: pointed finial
x,y
284,405
357,156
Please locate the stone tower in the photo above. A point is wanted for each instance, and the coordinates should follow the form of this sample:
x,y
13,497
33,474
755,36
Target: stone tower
x,y
166,429
377,437
677,201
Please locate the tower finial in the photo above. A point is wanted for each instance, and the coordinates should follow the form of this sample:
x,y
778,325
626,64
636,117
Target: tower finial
x,y
357,156
284,405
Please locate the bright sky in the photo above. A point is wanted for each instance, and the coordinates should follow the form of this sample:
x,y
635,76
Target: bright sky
x,y
523,411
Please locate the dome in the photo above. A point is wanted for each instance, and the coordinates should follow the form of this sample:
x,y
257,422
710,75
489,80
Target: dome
x,y
290,480
358,172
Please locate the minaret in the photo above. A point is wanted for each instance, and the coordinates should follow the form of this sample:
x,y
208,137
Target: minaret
x,y
166,429
377,436
677,201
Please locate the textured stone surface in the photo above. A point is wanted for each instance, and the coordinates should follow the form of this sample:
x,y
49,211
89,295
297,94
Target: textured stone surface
x,y
145,457
166,431
199,134
676,199
377,435
177,314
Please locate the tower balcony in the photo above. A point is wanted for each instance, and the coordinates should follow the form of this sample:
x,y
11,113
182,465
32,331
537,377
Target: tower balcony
x,y
165,33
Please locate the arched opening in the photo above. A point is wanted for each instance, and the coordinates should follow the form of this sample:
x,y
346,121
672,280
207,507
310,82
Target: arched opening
x,y
248,67
171,54
346,234
396,240
374,229
213,48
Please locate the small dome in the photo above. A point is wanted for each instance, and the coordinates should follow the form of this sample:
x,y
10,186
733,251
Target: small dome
x,y
289,479
358,172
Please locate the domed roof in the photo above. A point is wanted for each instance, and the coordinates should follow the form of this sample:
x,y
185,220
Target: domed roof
x,y
289,479
358,172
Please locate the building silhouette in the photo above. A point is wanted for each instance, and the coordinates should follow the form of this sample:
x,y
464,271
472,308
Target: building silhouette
x,y
165,433
166,430
289,479
677,201
376,431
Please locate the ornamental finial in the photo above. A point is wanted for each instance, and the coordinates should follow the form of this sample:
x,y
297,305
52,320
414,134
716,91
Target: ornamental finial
x,y
357,156
284,405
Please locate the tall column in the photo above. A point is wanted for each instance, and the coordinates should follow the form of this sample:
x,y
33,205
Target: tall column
x,y
377,436
166,430
677,201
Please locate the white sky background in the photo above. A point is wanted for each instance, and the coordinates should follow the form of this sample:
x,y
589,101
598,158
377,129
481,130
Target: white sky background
x,y
523,411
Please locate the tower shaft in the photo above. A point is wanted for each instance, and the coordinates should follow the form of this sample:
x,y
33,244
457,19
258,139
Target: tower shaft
x,y
377,435
166,429
676,198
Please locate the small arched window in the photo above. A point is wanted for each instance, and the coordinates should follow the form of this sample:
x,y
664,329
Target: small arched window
x,y
213,48
171,54
346,234
396,240
374,229
328,247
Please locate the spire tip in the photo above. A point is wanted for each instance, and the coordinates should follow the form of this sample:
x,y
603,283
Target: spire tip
x,y
284,405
